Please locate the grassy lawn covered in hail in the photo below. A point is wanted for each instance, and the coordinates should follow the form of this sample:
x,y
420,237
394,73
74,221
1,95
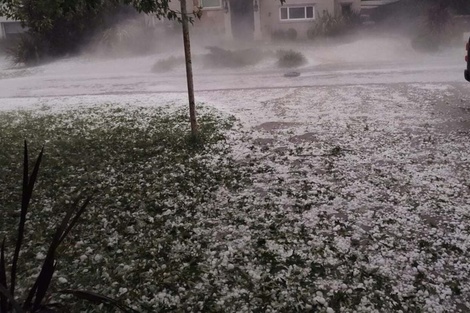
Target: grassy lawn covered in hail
x,y
356,217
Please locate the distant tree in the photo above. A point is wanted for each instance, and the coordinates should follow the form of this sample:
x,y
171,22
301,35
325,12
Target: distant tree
x,y
455,6
436,25
63,26
461,7
60,26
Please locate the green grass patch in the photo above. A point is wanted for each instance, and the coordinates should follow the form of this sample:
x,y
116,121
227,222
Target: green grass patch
x,y
184,225
142,168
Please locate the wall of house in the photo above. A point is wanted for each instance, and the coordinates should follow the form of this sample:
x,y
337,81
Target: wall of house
x,y
270,16
10,28
216,22
212,21
2,29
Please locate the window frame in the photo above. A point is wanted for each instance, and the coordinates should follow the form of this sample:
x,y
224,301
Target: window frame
x,y
211,7
2,31
304,6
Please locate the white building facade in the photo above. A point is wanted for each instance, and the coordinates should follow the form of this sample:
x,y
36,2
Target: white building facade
x,y
258,19
9,28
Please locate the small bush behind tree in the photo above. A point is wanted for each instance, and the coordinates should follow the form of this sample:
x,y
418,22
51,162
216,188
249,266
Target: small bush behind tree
x,y
28,49
435,28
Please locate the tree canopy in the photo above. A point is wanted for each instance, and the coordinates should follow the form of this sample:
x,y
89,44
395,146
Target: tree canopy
x,y
456,6
59,27
40,15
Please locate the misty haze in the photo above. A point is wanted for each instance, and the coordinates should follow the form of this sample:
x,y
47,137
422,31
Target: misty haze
x,y
328,171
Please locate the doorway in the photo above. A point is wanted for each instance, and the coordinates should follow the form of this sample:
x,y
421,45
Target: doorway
x,y
346,9
242,16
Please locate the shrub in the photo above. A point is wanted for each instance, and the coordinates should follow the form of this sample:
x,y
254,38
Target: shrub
x,y
290,58
278,35
291,34
222,58
7,44
167,64
434,28
28,49
437,19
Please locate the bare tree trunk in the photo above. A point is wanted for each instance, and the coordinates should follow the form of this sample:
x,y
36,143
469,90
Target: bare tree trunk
x,y
189,68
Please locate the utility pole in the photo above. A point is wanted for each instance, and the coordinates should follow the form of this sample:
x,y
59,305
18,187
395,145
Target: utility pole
x,y
189,68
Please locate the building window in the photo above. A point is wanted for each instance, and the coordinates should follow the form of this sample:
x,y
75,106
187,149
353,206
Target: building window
x,y
211,4
297,13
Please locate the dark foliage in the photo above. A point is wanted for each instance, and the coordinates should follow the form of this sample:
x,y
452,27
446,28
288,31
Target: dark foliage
x,y
36,299
222,58
55,28
60,28
28,49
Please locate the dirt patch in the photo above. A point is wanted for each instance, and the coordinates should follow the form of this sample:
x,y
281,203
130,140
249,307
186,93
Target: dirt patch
x,y
272,126
454,108
264,141
309,137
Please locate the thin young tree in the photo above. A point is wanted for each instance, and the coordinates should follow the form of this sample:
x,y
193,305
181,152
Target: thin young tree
x,y
161,8
189,69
